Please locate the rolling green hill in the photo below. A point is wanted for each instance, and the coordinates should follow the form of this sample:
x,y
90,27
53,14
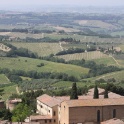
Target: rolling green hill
x,y
27,64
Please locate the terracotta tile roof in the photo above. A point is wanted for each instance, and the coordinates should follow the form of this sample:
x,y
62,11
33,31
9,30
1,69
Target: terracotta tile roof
x,y
40,117
113,121
63,98
15,101
56,100
48,100
95,102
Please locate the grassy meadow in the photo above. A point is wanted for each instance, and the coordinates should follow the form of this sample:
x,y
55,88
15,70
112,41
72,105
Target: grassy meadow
x,y
106,61
4,79
27,64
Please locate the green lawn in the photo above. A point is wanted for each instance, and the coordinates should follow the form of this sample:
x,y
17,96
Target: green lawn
x,y
4,79
27,64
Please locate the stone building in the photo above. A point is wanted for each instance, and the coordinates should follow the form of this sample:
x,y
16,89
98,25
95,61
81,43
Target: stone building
x,y
11,104
91,110
84,110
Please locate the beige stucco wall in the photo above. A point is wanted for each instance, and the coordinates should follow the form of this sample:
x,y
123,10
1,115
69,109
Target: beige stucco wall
x,y
56,116
64,114
44,109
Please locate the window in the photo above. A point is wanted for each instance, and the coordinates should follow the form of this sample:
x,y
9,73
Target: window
x,y
45,121
114,113
54,120
54,113
49,111
64,106
41,106
49,120
98,116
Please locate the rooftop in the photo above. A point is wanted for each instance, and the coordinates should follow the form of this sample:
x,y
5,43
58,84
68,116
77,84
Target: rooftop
x,y
56,100
113,121
95,102
40,117
48,100
15,101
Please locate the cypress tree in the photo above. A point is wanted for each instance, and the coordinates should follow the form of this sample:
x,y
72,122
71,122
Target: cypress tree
x,y
7,115
1,92
96,93
106,93
74,92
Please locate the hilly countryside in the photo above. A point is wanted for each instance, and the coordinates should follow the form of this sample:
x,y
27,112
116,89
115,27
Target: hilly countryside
x,y
50,51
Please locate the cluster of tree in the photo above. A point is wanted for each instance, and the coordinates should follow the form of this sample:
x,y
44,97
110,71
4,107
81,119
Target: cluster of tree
x,y
102,17
101,80
115,88
20,52
71,40
45,39
40,65
37,84
73,92
14,75
14,30
5,114
70,51
95,69
22,110
3,37
96,93
52,58
35,31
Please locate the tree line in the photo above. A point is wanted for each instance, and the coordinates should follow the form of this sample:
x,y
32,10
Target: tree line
x,y
14,75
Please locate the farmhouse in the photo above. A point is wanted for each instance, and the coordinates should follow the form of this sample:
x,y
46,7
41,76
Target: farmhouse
x,y
84,110
11,104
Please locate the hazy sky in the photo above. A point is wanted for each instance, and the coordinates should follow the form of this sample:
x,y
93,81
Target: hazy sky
x,y
32,5
70,2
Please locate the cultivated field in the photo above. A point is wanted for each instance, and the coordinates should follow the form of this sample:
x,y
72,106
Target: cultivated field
x,y
86,56
28,64
24,35
4,79
4,33
42,49
95,23
65,29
